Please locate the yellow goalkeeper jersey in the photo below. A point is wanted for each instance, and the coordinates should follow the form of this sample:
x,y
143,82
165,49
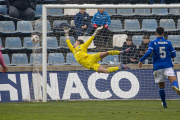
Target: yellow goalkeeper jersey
x,y
80,52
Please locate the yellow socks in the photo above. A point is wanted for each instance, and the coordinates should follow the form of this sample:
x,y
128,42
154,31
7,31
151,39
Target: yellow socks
x,y
112,69
114,52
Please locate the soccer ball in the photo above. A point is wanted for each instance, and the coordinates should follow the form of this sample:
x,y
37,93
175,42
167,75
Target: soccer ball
x,y
35,39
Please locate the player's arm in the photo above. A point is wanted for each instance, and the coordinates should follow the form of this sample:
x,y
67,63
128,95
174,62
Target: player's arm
x,y
4,68
87,43
172,50
147,54
66,30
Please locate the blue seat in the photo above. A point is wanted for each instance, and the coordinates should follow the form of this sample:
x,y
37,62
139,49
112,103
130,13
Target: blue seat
x,y
6,59
143,12
70,60
137,40
153,37
36,59
63,43
57,23
174,11
56,59
175,40
149,25
55,12
177,58
111,59
27,44
38,11
125,12
3,8
178,25
25,27
13,43
52,43
110,12
168,25
132,25
7,27
115,26
19,60
2,48
38,27
160,11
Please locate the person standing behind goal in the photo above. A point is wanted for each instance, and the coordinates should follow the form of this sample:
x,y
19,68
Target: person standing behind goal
x,y
79,49
163,51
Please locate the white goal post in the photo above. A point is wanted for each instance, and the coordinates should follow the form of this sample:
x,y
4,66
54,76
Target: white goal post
x,y
44,28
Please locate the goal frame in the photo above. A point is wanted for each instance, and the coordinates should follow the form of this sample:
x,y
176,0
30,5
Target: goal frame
x,y
66,6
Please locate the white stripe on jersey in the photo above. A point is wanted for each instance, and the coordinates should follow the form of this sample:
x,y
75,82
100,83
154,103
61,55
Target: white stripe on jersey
x,y
150,48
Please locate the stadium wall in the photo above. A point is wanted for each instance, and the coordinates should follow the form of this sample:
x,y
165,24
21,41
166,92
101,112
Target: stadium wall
x,y
81,83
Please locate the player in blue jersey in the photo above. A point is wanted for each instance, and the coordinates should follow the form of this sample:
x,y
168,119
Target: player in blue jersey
x,y
163,51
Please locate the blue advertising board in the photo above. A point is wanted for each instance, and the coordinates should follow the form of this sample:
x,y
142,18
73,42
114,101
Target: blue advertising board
x,y
66,85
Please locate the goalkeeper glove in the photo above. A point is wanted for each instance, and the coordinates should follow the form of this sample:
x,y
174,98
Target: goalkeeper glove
x,y
66,30
98,29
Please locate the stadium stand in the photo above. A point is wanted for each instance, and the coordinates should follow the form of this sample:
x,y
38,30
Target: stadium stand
x,y
19,60
70,60
159,12
7,27
132,25
153,37
55,12
56,59
143,12
118,40
116,26
149,25
28,45
13,43
52,43
137,39
125,12
25,27
37,57
174,11
6,59
174,40
2,48
168,25
38,27
38,12
63,43
58,25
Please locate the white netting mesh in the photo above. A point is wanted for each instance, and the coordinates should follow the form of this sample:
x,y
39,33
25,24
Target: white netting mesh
x,y
69,80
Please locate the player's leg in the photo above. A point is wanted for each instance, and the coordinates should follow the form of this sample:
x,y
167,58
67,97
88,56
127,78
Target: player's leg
x,y
160,79
112,52
174,82
172,77
109,70
162,93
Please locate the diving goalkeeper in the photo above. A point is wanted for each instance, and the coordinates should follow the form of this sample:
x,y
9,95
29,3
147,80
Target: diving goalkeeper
x,y
79,49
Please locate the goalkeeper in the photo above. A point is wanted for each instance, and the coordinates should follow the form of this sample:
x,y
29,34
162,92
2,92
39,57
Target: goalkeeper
x,y
79,49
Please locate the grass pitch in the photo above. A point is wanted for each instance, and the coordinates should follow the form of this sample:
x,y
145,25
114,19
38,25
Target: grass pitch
x,y
91,110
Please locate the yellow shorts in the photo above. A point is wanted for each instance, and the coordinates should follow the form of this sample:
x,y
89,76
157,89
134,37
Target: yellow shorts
x,y
91,62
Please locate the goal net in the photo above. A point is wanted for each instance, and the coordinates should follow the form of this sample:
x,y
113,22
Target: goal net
x,y
58,76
